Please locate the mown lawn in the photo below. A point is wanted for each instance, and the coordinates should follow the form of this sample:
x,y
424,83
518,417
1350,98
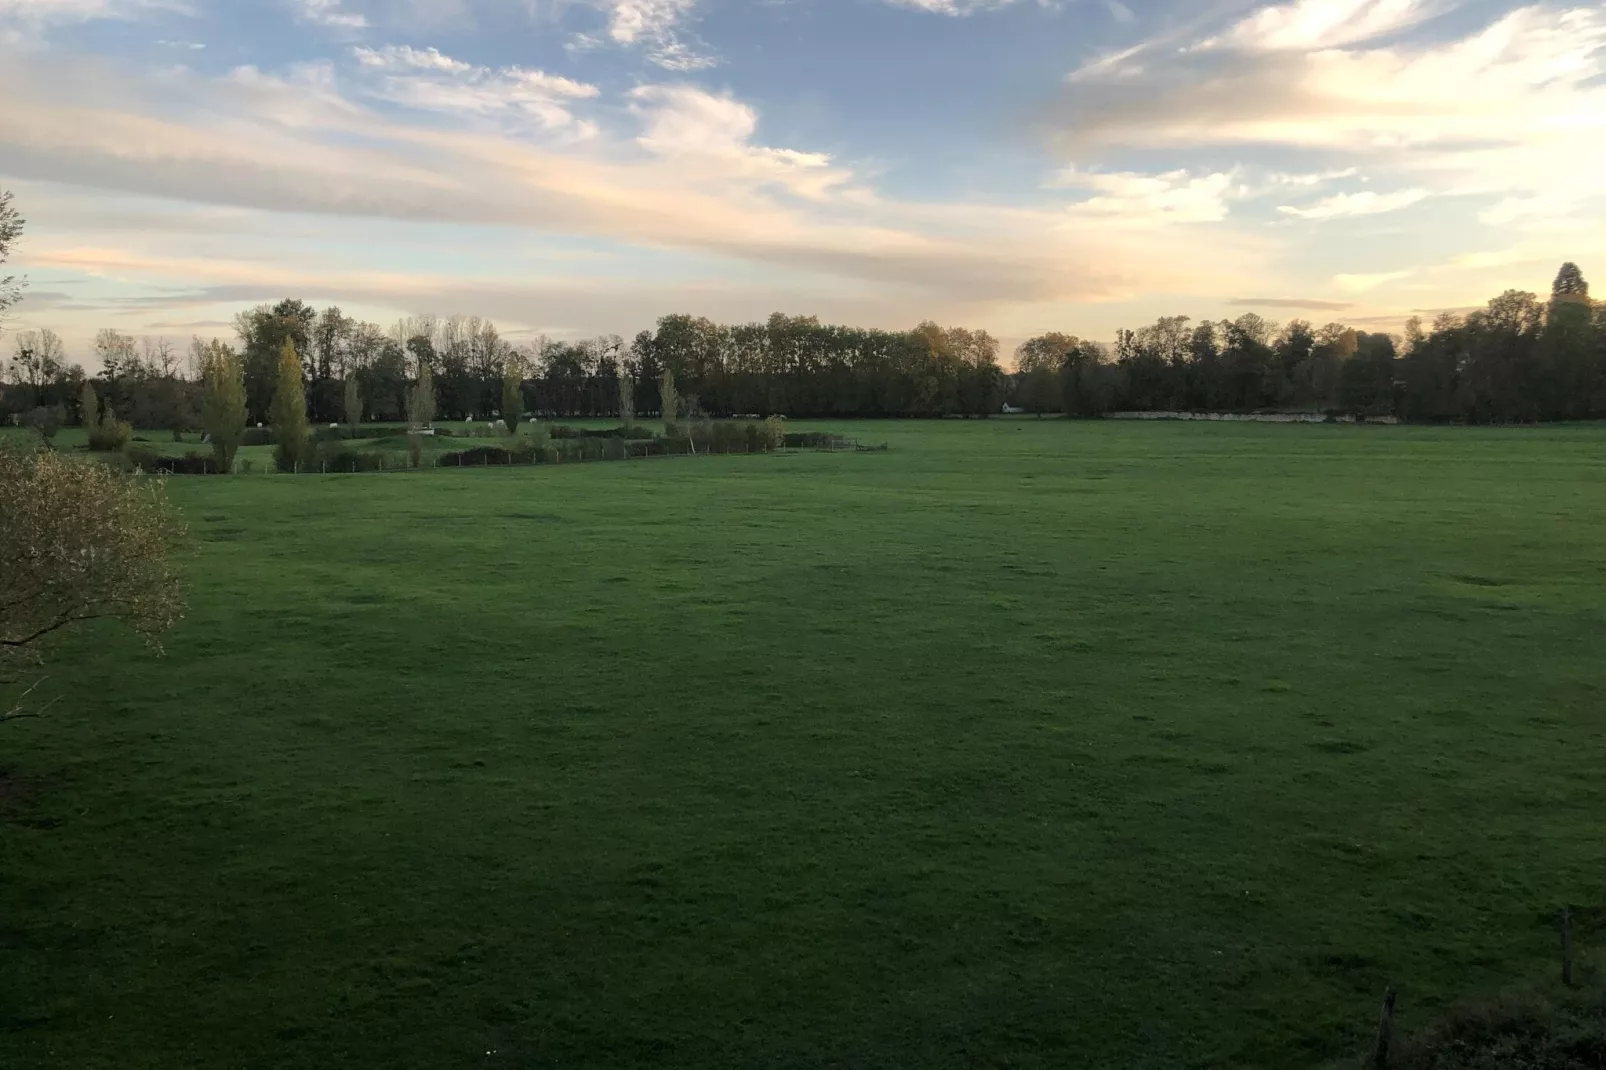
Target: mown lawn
x,y
1028,743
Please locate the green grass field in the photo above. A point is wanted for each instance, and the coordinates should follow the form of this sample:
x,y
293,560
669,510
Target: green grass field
x,y
1024,744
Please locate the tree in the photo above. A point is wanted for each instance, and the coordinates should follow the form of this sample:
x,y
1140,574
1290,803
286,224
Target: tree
x,y
1040,363
668,400
512,391
222,402
106,433
39,360
263,332
627,398
1570,283
421,406
291,440
44,421
1570,367
88,406
80,542
420,413
1085,381
352,402
11,225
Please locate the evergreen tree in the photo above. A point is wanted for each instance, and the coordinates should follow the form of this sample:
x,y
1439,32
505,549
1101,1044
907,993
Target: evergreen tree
x,y
1570,283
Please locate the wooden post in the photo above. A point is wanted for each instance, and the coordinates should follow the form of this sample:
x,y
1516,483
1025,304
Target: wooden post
x,y
1567,946
1385,1030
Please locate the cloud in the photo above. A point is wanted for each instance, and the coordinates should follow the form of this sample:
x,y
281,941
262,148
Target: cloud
x,y
657,26
957,8
1119,11
327,13
1359,283
25,21
1307,25
703,132
427,80
407,58
1146,199
693,177
1511,115
1368,202
1291,302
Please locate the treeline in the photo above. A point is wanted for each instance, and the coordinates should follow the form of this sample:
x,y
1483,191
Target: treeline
x,y
1520,359
793,366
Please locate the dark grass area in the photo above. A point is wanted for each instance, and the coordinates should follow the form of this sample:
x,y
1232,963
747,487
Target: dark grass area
x,y
1029,743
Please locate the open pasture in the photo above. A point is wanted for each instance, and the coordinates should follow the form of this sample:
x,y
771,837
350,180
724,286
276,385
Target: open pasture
x,y
1028,743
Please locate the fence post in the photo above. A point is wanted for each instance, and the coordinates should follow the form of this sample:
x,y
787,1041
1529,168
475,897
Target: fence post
x,y
1385,1030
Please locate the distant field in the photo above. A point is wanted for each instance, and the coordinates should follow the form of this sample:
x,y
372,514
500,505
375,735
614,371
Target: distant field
x,y
1028,743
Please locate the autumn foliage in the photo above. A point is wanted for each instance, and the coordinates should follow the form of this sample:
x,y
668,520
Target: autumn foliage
x,y
80,542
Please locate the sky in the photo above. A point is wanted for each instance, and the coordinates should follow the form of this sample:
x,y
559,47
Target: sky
x,y
579,167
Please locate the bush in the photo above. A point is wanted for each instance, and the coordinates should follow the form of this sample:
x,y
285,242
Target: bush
x,y
478,457
817,440
191,464
637,433
142,457
109,434
364,434
332,458
257,436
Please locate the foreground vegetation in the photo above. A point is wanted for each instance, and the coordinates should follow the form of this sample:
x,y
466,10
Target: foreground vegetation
x,y
1025,743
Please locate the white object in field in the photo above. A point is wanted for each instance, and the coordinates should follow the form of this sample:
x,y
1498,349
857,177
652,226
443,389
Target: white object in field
x,y
334,425
1012,410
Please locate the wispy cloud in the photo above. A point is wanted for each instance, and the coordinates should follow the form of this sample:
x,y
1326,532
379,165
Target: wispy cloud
x,y
1311,303
1515,111
329,14
1146,199
428,80
690,177
658,27
1307,25
1367,202
24,21
1358,283
951,7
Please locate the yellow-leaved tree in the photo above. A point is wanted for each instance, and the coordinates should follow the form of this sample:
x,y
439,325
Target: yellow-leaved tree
x,y
79,542
292,440
222,401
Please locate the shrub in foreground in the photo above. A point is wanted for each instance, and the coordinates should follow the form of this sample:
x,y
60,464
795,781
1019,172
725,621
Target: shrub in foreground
x,y
80,542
